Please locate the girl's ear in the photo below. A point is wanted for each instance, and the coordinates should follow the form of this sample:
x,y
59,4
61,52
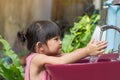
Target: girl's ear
x,y
38,47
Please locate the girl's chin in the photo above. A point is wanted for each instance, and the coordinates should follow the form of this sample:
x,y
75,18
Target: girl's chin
x,y
56,54
53,54
59,52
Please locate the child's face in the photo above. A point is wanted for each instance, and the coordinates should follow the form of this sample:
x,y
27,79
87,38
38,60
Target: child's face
x,y
54,46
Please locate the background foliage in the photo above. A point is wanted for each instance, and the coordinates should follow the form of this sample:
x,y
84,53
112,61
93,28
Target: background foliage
x,y
80,34
10,67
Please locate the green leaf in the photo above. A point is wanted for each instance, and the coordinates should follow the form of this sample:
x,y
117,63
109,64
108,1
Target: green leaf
x,y
80,33
11,73
67,41
12,70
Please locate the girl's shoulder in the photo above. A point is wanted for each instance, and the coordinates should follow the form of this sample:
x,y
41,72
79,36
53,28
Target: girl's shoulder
x,y
36,59
29,57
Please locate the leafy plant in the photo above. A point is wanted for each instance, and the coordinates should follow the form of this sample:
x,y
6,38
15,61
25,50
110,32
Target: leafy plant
x,y
80,34
10,67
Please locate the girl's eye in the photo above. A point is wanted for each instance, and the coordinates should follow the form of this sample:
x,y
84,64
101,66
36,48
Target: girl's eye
x,y
56,38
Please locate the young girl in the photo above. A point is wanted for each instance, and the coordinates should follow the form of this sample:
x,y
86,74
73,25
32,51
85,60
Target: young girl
x,y
44,44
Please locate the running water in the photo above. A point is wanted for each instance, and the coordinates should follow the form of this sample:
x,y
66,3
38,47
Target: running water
x,y
101,33
95,58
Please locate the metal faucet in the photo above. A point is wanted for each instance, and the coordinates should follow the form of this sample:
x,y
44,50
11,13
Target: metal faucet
x,y
105,27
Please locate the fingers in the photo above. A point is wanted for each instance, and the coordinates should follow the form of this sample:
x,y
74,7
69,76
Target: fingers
x,y
101,51
96,47
101,42
98,42
102,45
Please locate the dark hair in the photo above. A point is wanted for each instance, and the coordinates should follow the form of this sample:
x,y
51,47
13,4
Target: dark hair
x,y
39,31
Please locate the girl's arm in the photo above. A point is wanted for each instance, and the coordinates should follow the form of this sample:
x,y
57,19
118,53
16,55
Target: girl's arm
x,y
93,48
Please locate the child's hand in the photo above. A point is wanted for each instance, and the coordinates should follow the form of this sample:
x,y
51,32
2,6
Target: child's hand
x,y
96,47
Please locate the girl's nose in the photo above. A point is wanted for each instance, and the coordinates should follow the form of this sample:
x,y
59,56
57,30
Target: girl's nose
x,y
60,42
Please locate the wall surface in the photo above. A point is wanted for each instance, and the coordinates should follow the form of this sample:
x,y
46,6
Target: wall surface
x,y
16,14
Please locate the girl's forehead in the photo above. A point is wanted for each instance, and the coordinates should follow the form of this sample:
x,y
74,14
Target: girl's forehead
x,y
56,36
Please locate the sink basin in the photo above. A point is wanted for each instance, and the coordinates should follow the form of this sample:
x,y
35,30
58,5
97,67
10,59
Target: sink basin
x,y
104,69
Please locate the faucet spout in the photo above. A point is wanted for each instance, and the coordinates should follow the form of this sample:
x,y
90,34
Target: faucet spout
x,y
106,27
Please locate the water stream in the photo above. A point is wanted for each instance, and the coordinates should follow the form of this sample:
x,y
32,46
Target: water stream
x,y
95,58
101,34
